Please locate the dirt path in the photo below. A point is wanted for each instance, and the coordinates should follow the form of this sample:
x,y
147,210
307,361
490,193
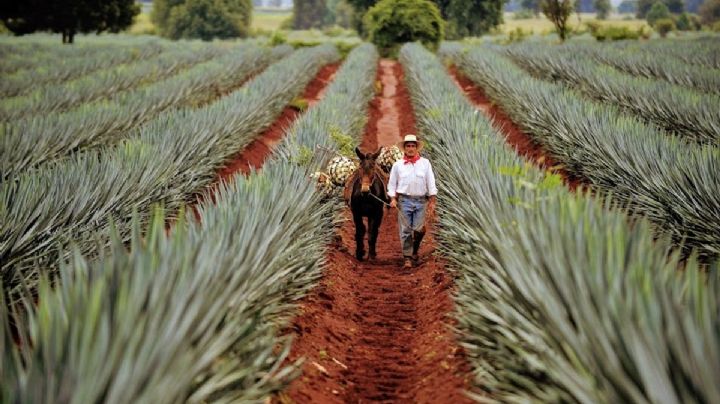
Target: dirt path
x,y
515,137
374,331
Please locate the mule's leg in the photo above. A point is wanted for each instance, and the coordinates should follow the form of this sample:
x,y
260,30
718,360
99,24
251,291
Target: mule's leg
x,y
359,236
374,228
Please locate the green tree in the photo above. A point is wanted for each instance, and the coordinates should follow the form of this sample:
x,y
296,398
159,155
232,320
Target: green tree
x,y
710,11
308,13
362,6
603,8
390,23
644,6
687,22
472,17
657,12
161,12
68,17
558,12
203,19
464,17
664,25
339,12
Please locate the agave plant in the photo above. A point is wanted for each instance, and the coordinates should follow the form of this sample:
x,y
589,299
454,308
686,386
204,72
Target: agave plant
x,y
560,297
698,52
672,183
167,161
648,65
36,140
34,56
23,82
679,110
193,316
105,83
188,317
343,109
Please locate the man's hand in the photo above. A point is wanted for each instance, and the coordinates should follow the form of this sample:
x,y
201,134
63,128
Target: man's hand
x,y
393,202
431,207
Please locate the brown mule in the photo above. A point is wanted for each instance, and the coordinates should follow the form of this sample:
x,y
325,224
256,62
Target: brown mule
x,y
365,193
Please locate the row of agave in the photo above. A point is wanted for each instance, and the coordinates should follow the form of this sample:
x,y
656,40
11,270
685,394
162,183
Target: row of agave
x,y
324,126
38,56
104,83
31,44
703,51
192,316
671,182
36,140
559,298
166,161
326,135
686,112
672,70
46,71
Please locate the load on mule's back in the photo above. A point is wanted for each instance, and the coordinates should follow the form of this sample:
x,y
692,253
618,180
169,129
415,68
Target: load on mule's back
x,y
366,195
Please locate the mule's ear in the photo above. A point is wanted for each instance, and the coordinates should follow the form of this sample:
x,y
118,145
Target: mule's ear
x,y
375,155
359,153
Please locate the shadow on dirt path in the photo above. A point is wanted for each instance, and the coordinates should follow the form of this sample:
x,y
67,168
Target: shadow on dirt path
x,y
374,331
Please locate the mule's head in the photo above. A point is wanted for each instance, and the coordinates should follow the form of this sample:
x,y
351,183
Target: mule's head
x,y
367,168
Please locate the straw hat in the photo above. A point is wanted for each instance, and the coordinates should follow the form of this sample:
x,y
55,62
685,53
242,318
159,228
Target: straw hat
x,y
411,138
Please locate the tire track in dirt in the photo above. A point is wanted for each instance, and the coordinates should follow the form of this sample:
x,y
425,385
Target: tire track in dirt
x,y
374,331
515,137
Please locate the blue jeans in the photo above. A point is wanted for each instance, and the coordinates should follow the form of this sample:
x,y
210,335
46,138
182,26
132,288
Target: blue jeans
x,y
410,218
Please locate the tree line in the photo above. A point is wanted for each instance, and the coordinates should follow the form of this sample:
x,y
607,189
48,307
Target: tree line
x,y
68,17
208,19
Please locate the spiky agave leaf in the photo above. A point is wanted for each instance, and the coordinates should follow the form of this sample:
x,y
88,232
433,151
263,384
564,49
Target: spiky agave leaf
x,y
560,297
25,81
698,53
105,83
168,160
36,140
659,65
685,112
660,177
255,220
342,110
181,317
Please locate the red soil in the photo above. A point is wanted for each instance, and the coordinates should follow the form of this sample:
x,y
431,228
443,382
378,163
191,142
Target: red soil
x,y
255,153
375,331
515,137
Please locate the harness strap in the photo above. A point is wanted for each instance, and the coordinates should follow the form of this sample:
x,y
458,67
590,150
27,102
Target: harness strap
x,y
378,174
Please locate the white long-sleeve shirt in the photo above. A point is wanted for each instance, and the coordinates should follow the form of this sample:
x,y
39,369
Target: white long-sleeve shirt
x,y
412,179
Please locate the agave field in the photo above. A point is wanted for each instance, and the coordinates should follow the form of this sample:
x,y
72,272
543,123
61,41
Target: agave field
x,y
133,271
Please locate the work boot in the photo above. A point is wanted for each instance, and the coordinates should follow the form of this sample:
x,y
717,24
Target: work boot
x,y
417,238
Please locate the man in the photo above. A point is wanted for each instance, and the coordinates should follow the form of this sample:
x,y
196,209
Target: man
x,y
411,188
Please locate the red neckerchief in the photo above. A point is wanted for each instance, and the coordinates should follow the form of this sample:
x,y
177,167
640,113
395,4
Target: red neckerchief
x,y
411,160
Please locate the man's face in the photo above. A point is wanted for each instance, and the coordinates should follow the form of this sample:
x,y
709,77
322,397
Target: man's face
x,y
411,149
